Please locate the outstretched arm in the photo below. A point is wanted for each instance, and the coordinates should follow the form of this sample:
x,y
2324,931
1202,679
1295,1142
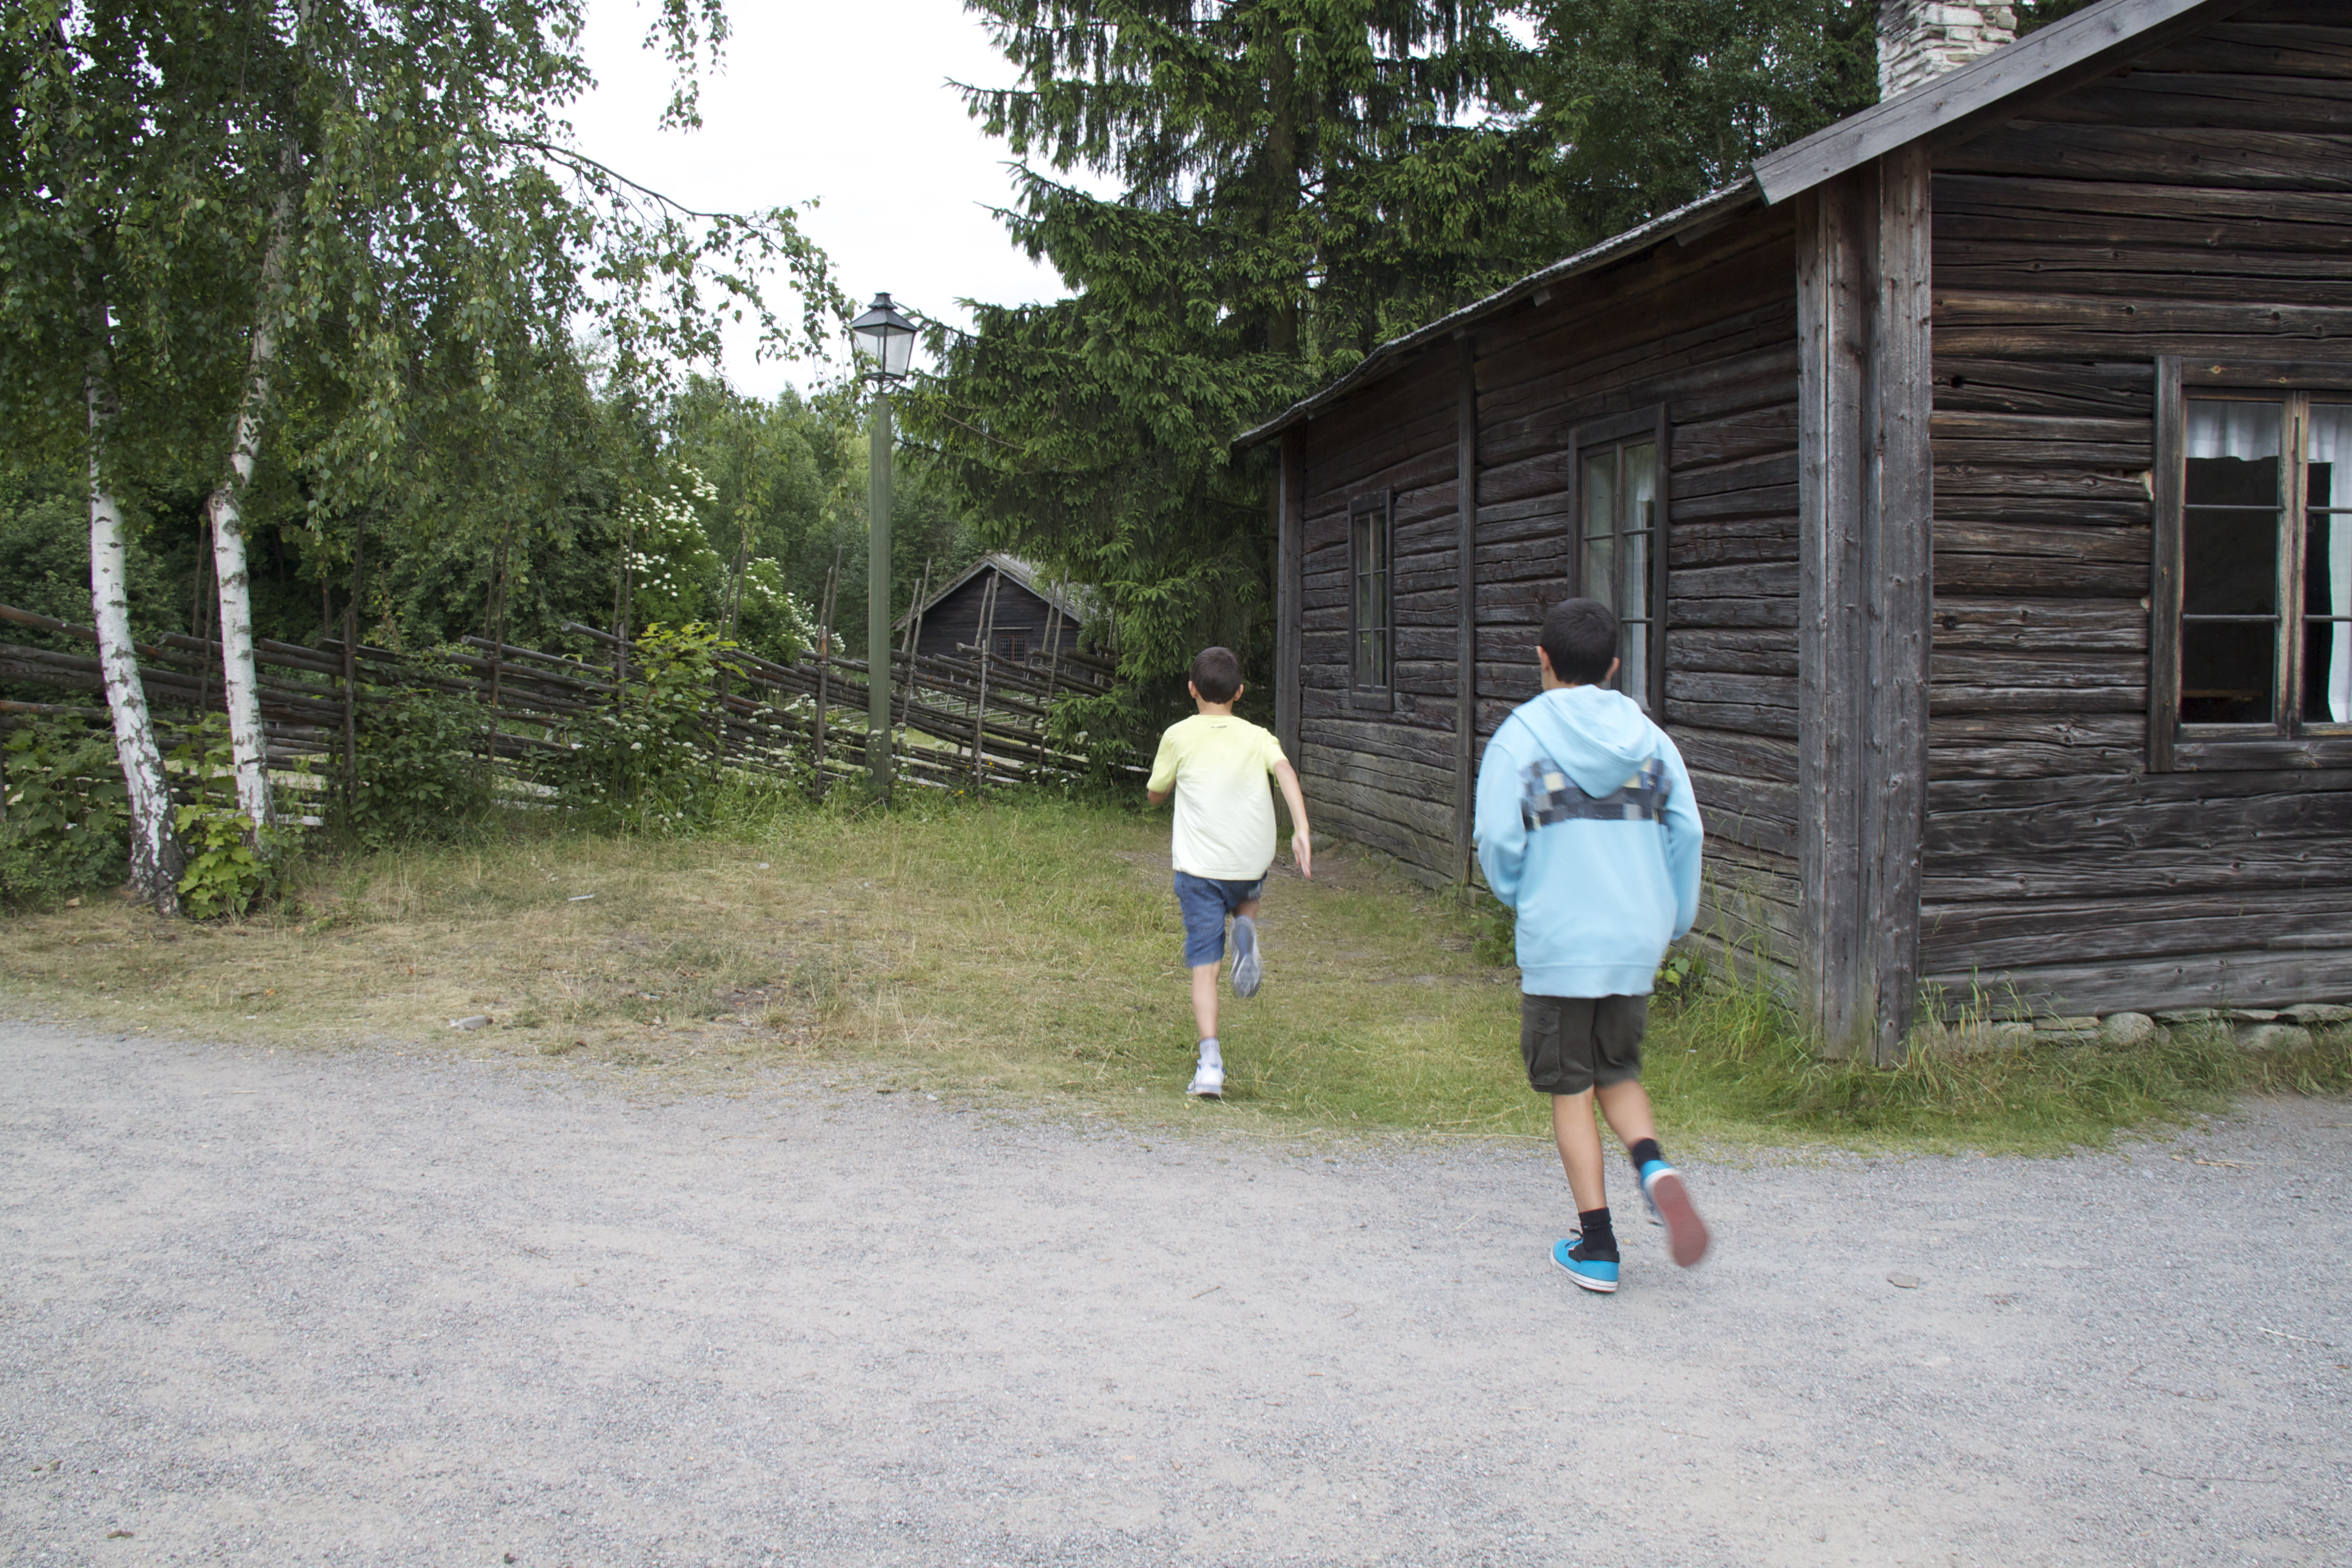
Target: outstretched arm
x,y
1300,845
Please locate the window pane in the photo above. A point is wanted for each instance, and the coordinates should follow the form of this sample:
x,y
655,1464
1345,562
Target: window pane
x,y
2239,432
1599,578
2329,449
1641,517
2327,593
1633,668
2225,672
2327,672
1369,599
2230,558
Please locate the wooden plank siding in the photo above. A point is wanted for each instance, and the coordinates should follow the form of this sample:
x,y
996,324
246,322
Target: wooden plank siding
x,y
1712,340
2198,203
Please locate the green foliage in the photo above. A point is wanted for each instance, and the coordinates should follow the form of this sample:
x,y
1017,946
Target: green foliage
x,y
226,872
418,778
67,829
648,764
1297,179
1656,102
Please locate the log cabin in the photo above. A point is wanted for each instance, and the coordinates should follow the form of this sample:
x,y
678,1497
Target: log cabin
x,y
1974,483
1025,618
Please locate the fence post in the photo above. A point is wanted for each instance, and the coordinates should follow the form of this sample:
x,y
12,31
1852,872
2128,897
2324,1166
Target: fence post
x,y
824,659
979,708
350,708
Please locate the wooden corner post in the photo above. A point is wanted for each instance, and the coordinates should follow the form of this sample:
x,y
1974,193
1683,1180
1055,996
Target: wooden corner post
x,y
1289,504
1466,596
1866,504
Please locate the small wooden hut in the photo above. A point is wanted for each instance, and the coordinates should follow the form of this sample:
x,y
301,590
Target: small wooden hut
x,y
1025,618
1973,481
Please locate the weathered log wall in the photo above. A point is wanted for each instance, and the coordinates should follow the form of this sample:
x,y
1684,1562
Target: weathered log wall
x,y
2200,204
1705,330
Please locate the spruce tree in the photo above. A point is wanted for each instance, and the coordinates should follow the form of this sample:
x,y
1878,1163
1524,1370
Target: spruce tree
x,y
1296,181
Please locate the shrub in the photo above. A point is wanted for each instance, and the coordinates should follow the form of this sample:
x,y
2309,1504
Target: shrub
x,y
418,780
67,827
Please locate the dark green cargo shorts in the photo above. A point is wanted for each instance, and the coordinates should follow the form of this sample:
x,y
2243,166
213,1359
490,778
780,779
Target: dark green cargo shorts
x,y
1572,1043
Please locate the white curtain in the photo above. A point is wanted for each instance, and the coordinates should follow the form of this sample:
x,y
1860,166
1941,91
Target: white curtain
x,y
2247,430
2331,443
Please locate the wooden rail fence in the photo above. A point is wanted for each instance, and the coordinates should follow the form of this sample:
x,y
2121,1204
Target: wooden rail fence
x,y
972,719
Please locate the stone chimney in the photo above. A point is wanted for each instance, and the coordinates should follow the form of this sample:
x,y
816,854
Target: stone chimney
x,y
1922,38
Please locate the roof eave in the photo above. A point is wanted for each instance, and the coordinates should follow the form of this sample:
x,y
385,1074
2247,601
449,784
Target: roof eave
x,y
1707,209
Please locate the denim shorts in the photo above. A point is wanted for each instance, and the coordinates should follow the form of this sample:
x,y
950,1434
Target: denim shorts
x,y
1206,901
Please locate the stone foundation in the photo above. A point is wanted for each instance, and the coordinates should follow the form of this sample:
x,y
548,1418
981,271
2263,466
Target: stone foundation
x,y
2286,1030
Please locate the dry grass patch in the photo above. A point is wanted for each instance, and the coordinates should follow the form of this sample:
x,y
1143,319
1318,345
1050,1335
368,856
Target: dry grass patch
x,y
1030,949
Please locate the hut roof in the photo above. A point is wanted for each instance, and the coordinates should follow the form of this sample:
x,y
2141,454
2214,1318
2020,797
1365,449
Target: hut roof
x,y
1059,595
2065,54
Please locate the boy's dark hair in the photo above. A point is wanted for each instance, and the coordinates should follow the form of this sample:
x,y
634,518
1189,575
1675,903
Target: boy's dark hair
x,y
1216,674
1580,638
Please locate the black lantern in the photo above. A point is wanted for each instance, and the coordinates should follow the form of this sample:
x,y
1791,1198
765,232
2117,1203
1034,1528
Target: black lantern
x,y
885,337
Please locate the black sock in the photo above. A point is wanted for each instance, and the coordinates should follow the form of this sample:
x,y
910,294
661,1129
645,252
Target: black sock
x,y
1644,1150
1600,1236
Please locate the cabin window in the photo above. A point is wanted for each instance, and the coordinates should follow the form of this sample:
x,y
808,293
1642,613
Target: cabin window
x,y
2253,633
1013,646
1619,559
1371,605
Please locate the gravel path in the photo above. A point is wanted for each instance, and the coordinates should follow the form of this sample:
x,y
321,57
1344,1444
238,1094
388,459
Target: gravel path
x,y
365,1309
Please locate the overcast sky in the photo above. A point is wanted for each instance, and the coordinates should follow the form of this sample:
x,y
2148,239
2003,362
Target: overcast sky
x,y
846,102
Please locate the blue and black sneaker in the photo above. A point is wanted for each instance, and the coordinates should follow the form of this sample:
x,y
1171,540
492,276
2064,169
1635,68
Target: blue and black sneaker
x,y
1585,1264
1670,1205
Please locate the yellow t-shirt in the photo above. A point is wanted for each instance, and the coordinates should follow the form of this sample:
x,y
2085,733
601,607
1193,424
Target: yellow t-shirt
x,y
1217,764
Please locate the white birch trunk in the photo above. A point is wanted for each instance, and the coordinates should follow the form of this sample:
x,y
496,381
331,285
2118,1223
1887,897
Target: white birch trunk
x,y
241,680
155,861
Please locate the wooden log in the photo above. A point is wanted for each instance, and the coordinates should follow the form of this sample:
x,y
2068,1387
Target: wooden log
x,y
1727,752
2193,156
2272,979
2245,871
1730,543
2286,106
2121,390
2035,626
1747,651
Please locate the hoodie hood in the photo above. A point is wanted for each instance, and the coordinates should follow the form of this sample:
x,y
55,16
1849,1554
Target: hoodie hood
x,y
1598,737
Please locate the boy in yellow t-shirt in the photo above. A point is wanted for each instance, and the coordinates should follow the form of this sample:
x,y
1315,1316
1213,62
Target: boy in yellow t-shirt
x,y
1215,765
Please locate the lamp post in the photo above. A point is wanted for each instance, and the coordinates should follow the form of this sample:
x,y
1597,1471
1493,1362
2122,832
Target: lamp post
x,y
886,341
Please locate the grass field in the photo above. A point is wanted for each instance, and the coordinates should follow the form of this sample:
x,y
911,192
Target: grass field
x,y
1021,947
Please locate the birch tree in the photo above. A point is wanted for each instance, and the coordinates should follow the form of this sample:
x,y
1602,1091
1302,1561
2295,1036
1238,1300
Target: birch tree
x,y
377,213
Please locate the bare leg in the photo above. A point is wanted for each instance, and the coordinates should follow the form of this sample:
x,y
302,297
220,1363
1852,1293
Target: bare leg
x,y
1627,1107
1578,1137
1205,998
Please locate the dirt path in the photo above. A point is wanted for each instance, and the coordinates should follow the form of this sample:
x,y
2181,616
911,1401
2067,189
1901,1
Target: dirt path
x,y
364,1309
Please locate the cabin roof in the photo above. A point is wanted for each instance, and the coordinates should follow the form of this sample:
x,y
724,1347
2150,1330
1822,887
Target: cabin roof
x,y
2063,55
1012,566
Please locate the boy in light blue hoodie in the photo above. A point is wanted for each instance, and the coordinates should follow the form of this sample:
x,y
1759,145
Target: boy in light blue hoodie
x,y
1587,829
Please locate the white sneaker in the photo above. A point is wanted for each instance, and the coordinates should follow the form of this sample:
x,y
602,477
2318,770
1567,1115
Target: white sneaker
x,y
1208,1083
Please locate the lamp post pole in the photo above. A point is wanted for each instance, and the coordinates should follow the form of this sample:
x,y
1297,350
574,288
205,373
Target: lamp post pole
x,y
885,336
879,672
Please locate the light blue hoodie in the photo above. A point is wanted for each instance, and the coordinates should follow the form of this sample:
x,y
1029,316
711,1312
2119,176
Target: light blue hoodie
x,y
1586,826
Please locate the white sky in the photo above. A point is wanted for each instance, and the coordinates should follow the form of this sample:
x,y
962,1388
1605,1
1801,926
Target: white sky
x,y
801,109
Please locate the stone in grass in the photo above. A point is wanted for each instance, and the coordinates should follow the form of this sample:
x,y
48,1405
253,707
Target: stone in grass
x,y
2079,1031
478,1021
2177,1015
2272,1037
1969,1039
2126,1029
2318,1014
